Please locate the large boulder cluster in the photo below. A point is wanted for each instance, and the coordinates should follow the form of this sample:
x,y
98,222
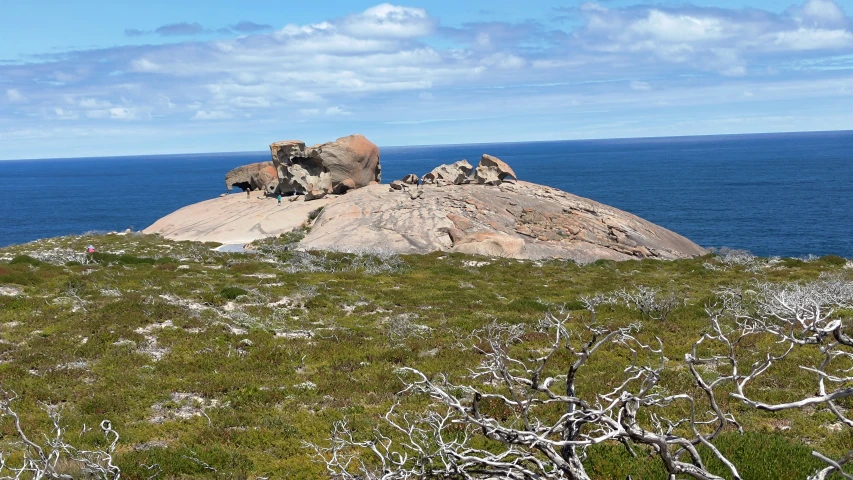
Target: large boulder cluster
x,y
315,171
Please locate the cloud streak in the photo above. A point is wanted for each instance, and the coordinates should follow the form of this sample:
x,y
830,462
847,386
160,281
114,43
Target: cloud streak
x,y
189,29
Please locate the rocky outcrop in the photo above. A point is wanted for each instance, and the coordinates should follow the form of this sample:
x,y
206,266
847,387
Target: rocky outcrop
x,y
455,173
334,167
254,176
486,211
235,219
493,171
518,220
490,171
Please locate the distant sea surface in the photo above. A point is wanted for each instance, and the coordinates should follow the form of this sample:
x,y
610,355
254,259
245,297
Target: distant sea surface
x,y
776,194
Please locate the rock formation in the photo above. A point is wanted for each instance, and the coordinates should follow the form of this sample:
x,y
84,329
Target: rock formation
x,y
353,162
410,179
514,219
483,211
490,171
493,171
334,167
254,176
455,173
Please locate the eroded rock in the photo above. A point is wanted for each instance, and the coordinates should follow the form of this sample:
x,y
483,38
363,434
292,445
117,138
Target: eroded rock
x,y
493,171
254,176
353,161
334,167
455,173
410,179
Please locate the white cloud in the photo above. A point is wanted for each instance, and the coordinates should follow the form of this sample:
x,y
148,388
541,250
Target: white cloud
x,y
803,39
821,14
388,20
714,39
681,27
15,96
145,65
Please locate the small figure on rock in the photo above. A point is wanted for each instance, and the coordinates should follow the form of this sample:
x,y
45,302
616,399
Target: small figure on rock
x,y
279,199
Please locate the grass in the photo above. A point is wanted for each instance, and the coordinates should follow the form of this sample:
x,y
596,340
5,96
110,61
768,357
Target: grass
x,y
232,360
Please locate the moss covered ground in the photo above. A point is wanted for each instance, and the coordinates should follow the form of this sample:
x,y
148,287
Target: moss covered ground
x,y
229,361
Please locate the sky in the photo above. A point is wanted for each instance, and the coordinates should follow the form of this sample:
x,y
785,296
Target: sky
x,y
103,78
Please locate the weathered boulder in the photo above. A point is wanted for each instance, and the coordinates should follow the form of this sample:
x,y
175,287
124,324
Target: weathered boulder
x,y
410,179
493,171
334,167
254,176
455,173
353,158
514,219
297,172
397,185
305,177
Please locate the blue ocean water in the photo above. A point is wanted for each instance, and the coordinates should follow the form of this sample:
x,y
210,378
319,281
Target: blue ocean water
x,y
772,194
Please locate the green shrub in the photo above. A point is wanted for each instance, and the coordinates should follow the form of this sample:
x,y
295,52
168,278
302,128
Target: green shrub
x,y
19,277
574,305
793,262
314,213
763,455
123,259
833,260
232,293
25,260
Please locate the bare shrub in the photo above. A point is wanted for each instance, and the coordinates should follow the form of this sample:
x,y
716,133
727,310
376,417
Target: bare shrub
x,y
401,327
55,458
511,402
649,301
793,319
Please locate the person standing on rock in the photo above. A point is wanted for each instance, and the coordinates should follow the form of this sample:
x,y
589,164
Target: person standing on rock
x,y
248,193
279,199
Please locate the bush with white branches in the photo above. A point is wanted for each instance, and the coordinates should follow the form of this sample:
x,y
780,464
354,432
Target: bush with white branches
x,y
783,318
55,456
539,424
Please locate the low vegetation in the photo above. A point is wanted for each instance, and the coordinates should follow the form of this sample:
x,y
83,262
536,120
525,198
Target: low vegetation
x,y
265,364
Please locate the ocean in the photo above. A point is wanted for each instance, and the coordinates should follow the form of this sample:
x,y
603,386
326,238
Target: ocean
x,y
772,194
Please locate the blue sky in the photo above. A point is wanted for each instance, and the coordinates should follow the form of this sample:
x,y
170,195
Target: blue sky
x,y
90,78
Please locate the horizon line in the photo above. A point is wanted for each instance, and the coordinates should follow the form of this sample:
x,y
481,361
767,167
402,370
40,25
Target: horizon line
x,y
652,137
